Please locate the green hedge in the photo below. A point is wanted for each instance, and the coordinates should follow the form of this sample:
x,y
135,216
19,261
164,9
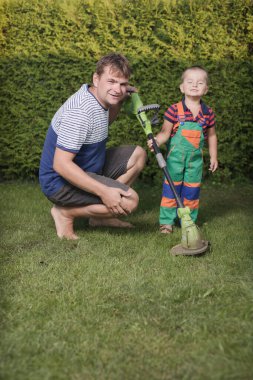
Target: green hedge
x,y
49,48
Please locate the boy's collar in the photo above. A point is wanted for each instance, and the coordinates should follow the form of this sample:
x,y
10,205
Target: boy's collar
x,y
204,108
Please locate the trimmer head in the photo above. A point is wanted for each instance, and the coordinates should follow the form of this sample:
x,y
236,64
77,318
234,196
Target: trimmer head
x,y
178,249
191,242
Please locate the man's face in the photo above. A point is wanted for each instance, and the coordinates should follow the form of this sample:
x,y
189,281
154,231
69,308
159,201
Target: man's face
x,y
110,87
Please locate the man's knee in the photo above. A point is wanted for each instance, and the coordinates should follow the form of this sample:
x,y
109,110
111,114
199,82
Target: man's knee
x,y
139,157
131,203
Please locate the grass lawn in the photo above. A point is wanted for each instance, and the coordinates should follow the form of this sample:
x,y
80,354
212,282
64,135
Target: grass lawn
x,y
115,304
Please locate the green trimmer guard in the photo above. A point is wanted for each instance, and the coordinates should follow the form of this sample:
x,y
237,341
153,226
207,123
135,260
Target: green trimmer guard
x,y
191,242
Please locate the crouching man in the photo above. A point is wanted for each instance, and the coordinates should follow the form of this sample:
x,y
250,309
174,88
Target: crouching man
x,y
77,173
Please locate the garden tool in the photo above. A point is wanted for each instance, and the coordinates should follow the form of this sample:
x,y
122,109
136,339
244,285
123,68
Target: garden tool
x,y
192,242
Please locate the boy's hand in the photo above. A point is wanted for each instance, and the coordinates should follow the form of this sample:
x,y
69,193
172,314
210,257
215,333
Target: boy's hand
x,y
213,165
150,144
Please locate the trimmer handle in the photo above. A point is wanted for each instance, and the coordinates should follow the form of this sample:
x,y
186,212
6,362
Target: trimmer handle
x,y
156,149
134,106
146,123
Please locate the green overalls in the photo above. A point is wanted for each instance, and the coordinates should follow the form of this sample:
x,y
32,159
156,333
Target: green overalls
x,y
185,165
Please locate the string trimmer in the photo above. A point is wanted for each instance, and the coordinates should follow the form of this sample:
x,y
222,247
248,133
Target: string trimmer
x,y
191,242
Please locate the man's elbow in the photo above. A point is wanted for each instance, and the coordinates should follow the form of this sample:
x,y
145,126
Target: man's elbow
x,y
58,166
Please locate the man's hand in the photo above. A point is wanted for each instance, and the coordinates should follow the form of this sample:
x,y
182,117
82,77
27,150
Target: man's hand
x,y
130,89
113,199
114,110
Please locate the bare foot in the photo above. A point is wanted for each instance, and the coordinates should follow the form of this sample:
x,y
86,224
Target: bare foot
x,y
63,225
109,222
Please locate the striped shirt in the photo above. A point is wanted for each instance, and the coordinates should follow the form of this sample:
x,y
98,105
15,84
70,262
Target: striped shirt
x,y
80,126
205,117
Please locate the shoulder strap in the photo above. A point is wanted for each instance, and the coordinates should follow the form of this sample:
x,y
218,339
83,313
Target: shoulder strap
x,y
180,112
205,109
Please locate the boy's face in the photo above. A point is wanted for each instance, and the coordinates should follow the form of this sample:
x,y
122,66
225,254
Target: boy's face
x,y
110,87
194,83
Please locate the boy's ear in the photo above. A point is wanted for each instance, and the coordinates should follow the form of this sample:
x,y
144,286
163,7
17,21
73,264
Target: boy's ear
x,y
206,90
181,88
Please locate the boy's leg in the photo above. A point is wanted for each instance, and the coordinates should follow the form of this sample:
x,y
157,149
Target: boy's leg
x,y
168,208
192,182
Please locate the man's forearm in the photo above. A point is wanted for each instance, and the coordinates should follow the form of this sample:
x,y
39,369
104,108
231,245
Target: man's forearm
x,y
77,177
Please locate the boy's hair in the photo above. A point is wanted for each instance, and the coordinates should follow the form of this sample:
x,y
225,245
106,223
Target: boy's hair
x,y
118,62
194,68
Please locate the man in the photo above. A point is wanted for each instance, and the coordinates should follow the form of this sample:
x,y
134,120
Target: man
x,y
77,173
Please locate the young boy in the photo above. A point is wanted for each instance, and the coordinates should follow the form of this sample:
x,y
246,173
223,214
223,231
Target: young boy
x,y
186,126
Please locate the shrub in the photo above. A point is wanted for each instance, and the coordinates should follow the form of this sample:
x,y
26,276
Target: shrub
x,y
49,48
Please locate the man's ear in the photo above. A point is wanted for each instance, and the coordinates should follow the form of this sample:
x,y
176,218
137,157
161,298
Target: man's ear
x,y
95,79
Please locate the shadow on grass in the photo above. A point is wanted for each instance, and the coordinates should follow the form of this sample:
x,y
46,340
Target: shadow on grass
x,y
224,200
82,225
215,203
215,200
